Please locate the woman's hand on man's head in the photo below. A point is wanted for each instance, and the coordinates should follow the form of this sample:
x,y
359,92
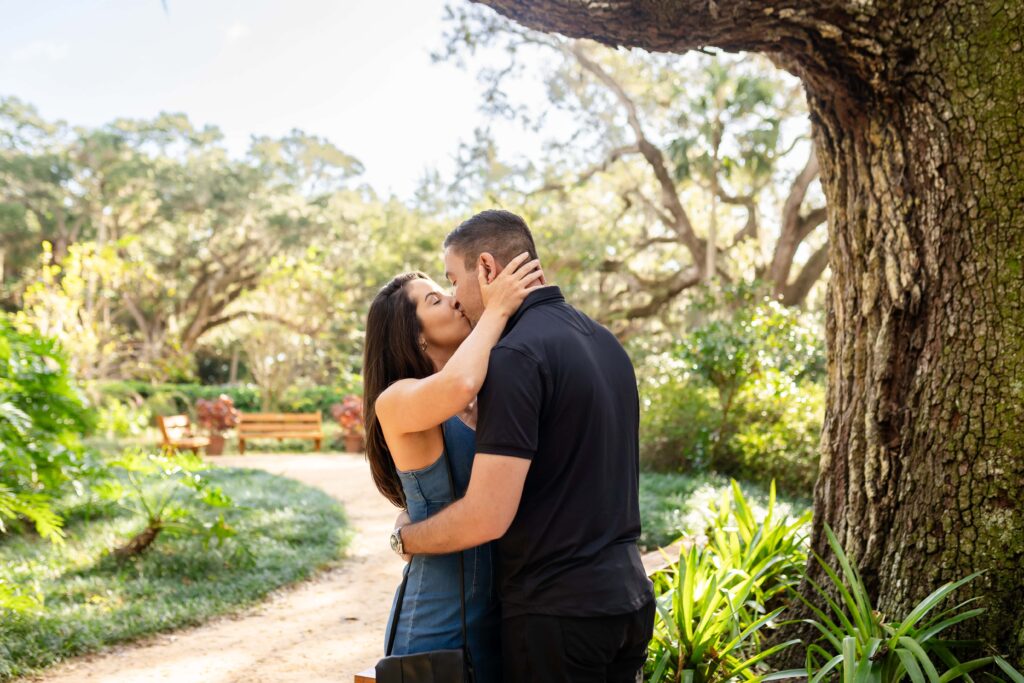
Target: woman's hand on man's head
x,y
505,292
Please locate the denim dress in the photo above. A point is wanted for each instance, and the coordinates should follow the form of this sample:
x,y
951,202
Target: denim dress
x,y
430,618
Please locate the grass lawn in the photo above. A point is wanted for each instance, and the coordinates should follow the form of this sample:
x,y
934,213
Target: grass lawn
x,y
675,504
289,529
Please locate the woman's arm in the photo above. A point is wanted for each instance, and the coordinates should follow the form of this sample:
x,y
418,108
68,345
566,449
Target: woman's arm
x,y
414,405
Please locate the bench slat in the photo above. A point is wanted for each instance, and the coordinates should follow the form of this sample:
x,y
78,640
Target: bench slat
x,y
280,426
286,426
281,435
279,417
176,421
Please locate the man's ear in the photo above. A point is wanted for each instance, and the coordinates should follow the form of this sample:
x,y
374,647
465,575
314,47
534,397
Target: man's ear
x,y
491,268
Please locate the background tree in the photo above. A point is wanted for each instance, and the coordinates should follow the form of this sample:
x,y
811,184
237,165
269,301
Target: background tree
x,y
916,110
694,155
184,230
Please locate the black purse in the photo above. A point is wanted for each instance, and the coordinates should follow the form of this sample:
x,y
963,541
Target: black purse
x,y
436,666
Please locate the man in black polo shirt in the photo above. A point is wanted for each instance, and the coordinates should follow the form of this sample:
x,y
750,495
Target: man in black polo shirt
x,y
555,478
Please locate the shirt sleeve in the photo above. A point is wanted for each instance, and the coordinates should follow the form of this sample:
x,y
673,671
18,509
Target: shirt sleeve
x,y
509,402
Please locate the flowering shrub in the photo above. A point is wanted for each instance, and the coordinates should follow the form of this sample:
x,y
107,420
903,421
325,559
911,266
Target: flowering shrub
x,y
349,414
217,415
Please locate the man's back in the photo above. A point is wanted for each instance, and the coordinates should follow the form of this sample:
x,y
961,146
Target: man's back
x,y
561,392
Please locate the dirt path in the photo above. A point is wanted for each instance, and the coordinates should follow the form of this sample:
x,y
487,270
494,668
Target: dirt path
x,y
323,630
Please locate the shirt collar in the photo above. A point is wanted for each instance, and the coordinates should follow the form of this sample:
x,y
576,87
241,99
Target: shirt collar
x,y
548,294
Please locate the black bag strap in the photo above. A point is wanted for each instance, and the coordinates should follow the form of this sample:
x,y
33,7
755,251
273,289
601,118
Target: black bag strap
x,y
462,569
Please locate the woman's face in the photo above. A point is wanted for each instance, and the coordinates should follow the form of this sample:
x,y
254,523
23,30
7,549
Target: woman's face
x,y
443,325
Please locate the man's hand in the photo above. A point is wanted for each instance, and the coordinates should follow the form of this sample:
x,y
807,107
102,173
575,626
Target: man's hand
x,y
402,520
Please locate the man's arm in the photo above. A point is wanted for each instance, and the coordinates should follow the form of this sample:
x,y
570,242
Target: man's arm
x,y
483,514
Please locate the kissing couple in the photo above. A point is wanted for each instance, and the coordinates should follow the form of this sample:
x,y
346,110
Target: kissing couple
x,y
504,423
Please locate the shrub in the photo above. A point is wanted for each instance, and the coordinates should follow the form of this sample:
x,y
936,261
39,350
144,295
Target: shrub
x,y
673,505
714,604
741,394
777,430
42,415
168,399
773,548
169,493
677,419
117,418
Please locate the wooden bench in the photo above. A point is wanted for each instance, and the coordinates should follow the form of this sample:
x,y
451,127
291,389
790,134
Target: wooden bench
x,y
176,431
280,426
654,561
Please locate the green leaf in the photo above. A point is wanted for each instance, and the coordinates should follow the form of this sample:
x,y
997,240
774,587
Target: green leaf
x,y
1014,675
928,633
909,662
849,658
922,608
824,671
965,668
922,657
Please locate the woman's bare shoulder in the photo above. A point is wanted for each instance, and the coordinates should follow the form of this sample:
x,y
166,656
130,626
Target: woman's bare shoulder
x,y
392,396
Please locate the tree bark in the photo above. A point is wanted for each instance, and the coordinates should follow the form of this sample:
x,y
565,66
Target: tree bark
x,y
919,133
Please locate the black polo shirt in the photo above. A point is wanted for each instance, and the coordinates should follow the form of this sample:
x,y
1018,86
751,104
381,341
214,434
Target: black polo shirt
x,y
561,392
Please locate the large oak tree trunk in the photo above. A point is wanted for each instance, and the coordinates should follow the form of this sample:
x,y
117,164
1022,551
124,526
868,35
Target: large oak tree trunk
x,y
917,111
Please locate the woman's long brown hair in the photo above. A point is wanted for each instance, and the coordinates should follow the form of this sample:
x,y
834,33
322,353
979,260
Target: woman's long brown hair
x,y
391,352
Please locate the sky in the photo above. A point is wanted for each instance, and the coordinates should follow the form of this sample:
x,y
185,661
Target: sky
x,y
356,72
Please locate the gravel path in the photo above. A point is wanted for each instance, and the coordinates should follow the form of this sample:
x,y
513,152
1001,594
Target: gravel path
x,y
325,629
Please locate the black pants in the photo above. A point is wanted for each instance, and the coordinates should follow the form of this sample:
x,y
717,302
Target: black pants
x,y
539,648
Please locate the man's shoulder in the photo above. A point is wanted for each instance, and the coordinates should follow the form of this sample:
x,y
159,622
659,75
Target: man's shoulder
x,y
515,349
542,325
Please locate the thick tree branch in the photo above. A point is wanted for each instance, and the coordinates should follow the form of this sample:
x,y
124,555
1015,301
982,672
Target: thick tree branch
x,y
813,219
660,292
790,234
749,230
137,315
795,293
257,315
665,218
669,195
829,42
210,307
589,173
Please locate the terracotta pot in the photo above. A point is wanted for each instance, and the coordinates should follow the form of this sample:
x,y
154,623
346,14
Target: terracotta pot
x,y
216,445
354,443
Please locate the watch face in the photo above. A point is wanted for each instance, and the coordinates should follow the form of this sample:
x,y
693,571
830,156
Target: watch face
x,y
394,541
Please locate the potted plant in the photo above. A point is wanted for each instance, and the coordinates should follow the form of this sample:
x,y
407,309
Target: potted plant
x,y
217,416
349,414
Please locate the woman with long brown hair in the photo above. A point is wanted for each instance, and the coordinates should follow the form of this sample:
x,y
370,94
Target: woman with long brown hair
x,y
423,366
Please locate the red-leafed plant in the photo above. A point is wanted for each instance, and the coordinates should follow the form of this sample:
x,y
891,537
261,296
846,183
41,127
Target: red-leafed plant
x,y
217,415
349,414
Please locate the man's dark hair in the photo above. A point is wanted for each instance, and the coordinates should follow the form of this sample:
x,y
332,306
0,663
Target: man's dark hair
x,y
502,234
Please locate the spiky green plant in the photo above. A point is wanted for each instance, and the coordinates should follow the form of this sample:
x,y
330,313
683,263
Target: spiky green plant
x,y
163,507
772,548
700,634
859,645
